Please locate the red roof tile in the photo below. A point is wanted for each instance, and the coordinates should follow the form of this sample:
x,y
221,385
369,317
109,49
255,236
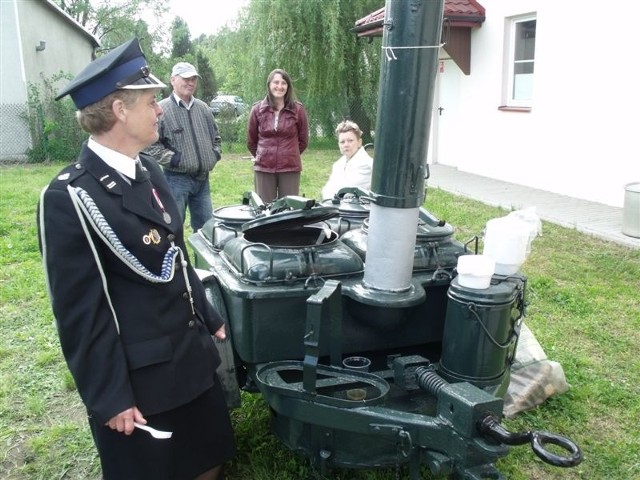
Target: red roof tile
x,y
461,13
463,7
372,17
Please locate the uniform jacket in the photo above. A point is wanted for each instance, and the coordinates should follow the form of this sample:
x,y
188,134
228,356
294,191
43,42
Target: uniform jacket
x,y
189,141
277,150
163,355
355,172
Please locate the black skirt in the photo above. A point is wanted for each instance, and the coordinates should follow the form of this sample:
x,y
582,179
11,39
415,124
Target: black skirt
x,y
202,439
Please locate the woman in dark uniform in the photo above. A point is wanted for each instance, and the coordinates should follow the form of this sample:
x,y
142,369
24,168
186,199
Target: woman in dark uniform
x,y
132,315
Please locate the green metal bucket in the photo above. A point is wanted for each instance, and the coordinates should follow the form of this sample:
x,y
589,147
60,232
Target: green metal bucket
x,y
480,332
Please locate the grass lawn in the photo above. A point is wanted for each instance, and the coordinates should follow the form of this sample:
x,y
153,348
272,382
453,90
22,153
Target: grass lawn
x,y
584,308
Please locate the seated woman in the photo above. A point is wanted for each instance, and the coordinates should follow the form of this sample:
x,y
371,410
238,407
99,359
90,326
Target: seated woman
x,y
353,169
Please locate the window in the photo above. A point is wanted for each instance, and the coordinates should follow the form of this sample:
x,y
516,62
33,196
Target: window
x,y
519,63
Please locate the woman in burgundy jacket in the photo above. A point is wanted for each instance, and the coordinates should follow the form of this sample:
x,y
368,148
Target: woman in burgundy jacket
x,y
278,133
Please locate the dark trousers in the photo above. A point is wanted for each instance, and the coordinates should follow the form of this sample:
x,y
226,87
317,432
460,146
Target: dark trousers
x,y
270,186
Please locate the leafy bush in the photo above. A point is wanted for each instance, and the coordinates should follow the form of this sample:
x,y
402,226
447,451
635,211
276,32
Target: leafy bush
x,y
54,130
233,129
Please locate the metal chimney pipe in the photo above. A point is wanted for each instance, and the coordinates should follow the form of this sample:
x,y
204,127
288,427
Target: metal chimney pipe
x,y
410,44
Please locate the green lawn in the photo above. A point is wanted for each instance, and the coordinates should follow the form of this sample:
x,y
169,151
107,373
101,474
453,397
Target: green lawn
x,y
583,308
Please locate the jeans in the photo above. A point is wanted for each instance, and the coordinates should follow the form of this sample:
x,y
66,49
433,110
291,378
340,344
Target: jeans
x,y
192,193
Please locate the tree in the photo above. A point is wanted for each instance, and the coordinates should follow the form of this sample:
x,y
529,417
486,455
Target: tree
x,y
79,10
334,73
180,38
234,65
207,86
116,21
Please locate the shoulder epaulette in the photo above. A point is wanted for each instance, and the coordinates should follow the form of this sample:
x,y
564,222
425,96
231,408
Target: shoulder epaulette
x,y
70,173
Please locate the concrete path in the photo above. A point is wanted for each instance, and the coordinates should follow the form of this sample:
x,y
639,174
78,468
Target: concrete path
x,y
591,218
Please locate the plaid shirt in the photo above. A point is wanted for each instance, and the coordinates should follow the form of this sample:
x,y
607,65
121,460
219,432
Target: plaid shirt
x,y
189,142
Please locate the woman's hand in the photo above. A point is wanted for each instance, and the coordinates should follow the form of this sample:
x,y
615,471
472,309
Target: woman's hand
x,y
221,333
123,422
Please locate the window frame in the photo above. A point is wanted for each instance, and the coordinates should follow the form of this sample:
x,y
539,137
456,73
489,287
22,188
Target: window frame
x,y
511,28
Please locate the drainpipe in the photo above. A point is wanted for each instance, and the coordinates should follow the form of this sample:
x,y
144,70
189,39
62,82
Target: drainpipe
x,y
410,44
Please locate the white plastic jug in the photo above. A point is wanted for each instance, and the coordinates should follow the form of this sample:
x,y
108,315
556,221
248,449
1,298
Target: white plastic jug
x,y
505,241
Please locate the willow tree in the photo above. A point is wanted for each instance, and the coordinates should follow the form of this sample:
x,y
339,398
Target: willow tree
x,y
334,73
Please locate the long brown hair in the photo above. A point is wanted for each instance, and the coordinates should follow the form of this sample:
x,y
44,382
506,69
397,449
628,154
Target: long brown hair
x,y
289,97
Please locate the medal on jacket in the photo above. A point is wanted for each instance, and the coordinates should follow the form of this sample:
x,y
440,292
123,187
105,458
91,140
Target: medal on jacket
x,y
152,237
165,214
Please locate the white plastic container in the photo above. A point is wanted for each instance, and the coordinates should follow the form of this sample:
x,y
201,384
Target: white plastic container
x,y
530,217
475,271
631,210
506,240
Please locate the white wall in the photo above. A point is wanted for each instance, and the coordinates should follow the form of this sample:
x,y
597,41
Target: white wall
x,y
579,139
12,77
23,24
68,49
15,138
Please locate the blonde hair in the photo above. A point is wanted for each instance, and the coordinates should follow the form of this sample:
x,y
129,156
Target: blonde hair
x,y
99,117
348,126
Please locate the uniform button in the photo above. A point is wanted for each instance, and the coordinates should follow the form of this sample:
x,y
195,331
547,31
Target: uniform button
x,y
171,237
191,323
185,295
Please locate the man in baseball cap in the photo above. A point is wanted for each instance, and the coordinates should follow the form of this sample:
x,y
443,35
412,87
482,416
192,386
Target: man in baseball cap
x,y
189,145
185,70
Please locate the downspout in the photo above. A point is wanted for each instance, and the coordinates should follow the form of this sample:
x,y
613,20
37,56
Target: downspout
x,y
410,44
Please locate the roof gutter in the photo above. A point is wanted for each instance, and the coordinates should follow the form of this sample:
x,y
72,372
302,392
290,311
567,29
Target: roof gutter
x,y
465,18
368,26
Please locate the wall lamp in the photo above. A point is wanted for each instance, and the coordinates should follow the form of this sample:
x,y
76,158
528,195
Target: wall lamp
x,y
41,47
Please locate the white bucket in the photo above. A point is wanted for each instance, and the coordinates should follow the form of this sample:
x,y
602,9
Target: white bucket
x,y
475,271
506,240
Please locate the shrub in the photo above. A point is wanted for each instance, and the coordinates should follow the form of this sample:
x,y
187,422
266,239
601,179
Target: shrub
x,y
54,130
233,129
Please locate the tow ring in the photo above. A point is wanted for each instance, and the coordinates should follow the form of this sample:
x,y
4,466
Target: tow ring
x,y
540,439
490,426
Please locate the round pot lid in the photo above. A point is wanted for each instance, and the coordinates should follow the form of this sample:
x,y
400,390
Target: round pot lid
x,y
290,219
235,213
351,206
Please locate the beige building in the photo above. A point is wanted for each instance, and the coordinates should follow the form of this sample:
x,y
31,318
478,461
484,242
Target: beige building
x,y
37,40
536,93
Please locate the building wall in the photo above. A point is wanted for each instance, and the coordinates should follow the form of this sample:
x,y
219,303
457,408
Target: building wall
x,y
12,76
23,25
68,49
14,132
579,138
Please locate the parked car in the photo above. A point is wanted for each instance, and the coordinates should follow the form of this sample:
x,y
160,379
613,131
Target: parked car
x,y
232,102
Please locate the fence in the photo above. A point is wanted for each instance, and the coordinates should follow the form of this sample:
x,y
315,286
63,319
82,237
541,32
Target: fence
x,y
15,137
47,130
